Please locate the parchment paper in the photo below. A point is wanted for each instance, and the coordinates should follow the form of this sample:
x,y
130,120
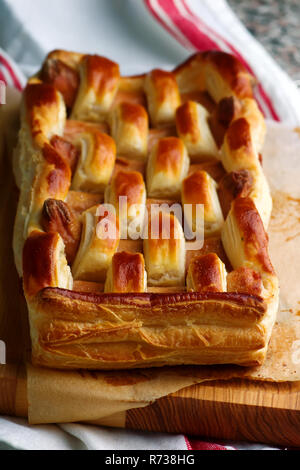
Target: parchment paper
x,y
58,396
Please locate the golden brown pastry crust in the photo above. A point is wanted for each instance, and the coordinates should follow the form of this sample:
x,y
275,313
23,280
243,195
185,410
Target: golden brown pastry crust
x,y
164,251
99,242
128,187
125,330
221,74
41,172
99,83
63,77
244,229
44,263
206,274
113,331
126,274
200,189
129,125
245,280
58,217
168,165
232,185
239,152
163,97
96,162
192,122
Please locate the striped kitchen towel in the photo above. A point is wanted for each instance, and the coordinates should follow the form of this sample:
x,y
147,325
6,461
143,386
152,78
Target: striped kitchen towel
x,y
10,73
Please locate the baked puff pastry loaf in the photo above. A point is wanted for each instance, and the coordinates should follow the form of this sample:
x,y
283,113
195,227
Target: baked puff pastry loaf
x,y
116,276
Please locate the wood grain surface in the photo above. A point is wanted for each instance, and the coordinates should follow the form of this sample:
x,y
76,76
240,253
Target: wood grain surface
x,y
238,410
13,390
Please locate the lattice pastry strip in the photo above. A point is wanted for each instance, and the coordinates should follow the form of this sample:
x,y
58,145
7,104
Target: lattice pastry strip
x,y
98,87
127,193
126,274
207,273
96,163
168,165
129,125
164,251
200,189
163,97
192,122
98,245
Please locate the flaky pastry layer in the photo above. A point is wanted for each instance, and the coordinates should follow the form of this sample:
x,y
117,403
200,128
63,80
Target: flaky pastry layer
x,y
112,331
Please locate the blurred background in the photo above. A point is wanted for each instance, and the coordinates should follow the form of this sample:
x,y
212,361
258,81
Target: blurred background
x,y
30,28
276,24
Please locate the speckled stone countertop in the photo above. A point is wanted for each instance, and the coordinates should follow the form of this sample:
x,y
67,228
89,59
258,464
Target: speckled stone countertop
x,y
276,24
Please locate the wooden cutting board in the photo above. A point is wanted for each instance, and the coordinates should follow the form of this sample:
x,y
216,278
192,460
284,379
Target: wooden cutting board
x,y
238,410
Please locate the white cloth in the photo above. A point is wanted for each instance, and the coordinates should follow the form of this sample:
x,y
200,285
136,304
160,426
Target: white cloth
x,y
121,30
16,433
126,32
